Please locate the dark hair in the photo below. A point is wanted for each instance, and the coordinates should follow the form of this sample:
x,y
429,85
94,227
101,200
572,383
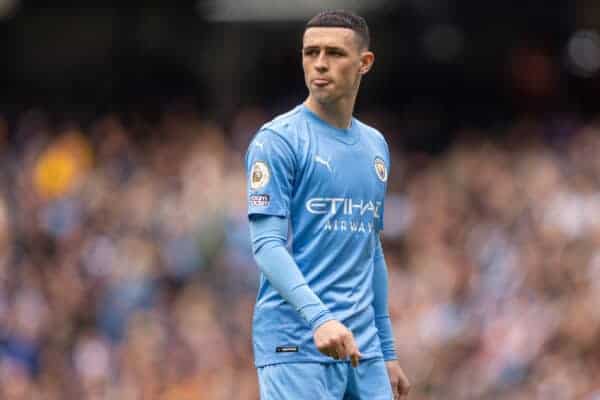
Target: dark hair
x,y
341,19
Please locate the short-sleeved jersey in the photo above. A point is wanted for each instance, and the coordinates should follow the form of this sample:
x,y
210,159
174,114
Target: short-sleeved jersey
x,y
331,185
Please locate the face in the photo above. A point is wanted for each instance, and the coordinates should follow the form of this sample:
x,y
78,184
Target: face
x,y
333,61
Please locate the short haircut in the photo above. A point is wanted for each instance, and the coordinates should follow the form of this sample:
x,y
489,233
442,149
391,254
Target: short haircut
x,y
342,19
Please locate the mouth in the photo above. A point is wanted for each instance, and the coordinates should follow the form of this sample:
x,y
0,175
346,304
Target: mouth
x,y
321,82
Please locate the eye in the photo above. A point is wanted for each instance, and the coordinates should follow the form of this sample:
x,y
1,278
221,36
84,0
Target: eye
x,y
311,52
335,53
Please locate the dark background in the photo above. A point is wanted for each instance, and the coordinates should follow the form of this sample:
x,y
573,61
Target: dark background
x,y
501,59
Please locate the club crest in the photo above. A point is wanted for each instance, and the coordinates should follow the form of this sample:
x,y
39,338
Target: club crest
x,y
380,169
260,175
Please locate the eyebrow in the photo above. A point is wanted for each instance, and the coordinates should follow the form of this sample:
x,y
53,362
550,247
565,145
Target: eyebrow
x,y
314,46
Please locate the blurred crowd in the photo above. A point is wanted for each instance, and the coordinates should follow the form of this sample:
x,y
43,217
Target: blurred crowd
x,y
126,270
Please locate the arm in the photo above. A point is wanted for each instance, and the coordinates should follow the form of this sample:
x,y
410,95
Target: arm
x,y
271,166
398,380
269,235
380,303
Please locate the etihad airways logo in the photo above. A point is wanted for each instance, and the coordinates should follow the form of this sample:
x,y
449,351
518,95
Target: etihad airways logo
x,y
347,206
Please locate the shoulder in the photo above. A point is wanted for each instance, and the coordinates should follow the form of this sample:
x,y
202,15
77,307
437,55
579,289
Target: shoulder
x,y
277,138
281,130
285,125
372,134
285,120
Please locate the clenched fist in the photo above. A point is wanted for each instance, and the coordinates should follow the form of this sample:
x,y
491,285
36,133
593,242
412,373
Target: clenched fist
x,y
335,340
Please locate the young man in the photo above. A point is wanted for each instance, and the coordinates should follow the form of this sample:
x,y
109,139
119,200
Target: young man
x,y
317,179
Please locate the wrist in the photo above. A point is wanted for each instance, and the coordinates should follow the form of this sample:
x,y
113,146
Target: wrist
x,y
320,320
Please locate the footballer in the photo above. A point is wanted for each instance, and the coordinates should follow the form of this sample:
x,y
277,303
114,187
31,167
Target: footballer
x,y
317,179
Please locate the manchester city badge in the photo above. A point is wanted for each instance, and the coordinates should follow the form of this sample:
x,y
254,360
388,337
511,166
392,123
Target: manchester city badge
x,y
380,169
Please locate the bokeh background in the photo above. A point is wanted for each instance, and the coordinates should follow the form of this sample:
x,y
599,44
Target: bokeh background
x,y
125,265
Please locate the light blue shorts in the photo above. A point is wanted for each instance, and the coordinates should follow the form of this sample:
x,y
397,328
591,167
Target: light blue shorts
x,y
325,381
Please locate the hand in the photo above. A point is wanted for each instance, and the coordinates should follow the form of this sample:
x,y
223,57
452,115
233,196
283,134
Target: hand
x,y
335,340
398,380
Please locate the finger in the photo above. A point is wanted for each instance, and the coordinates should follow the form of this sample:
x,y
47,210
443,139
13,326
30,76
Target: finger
x,y
395,392
335,354
343,349
355,355
332,353
353,351
403,385
327,352
339,350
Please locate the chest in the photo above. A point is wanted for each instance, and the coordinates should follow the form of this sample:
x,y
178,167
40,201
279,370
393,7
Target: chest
x,y
333,169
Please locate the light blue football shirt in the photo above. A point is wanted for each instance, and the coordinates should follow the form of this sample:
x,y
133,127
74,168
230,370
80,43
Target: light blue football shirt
x,y
331,185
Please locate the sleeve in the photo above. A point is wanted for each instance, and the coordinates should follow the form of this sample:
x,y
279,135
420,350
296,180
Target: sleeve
x,y
380,304
382,168
269,235
270,171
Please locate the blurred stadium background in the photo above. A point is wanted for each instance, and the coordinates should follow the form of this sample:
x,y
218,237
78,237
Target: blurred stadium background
x,y
125,265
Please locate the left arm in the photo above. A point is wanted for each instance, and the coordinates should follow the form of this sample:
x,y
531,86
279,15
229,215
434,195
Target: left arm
x,y
380,304
398,380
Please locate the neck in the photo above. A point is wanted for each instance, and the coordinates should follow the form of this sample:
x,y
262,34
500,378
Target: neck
x,y
338,114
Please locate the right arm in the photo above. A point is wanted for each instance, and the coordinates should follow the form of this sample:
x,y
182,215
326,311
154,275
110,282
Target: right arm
x,y
269,235
270,165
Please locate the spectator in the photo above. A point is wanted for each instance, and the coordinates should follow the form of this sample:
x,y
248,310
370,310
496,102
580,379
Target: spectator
x,y
125,270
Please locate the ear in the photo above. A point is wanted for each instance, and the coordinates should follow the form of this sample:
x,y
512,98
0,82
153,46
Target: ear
x,y
367,58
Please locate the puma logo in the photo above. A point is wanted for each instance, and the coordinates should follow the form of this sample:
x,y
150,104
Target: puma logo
x,y
259,144
321,160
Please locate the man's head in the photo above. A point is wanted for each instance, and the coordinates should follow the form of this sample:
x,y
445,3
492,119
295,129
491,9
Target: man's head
x,y
335,55
343,19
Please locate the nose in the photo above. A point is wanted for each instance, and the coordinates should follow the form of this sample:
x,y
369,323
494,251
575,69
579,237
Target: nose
x,y
321,63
